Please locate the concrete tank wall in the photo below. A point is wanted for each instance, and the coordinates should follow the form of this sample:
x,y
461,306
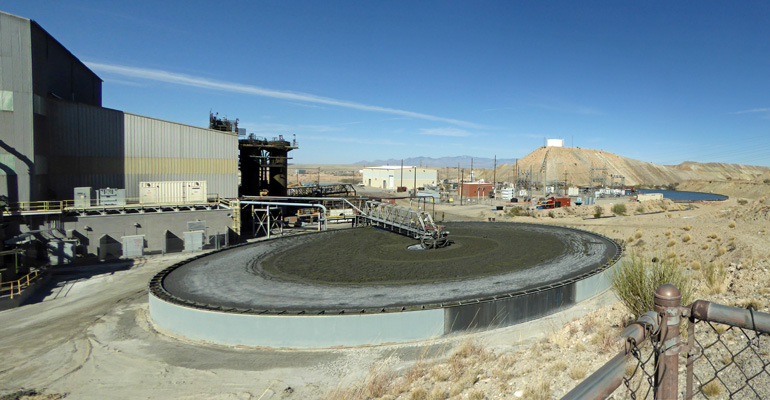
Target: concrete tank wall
x,y
352,330
303,331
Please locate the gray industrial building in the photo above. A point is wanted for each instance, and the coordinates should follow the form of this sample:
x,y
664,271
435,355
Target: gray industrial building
x,y
55,136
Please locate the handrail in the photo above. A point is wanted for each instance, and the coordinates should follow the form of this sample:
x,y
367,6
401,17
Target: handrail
x,y
69,205
610,376
733,316
20,283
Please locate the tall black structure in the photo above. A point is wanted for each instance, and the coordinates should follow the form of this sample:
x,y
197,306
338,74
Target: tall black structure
x,y
263,163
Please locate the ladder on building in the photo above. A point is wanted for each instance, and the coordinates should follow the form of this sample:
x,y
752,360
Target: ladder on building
x,y
416,224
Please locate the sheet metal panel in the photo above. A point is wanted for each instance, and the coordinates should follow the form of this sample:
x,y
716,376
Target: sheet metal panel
x,y
508,311
83,147
158,150
16,128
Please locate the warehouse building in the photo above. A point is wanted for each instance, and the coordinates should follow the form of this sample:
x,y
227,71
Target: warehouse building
x,y
390,177
55,136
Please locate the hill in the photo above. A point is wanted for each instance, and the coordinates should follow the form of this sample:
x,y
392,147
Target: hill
x,y
578,165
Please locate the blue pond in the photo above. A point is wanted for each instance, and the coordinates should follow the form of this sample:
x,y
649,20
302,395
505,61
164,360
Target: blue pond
x,y
676,195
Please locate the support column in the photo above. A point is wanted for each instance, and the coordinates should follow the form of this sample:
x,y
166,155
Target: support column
x,y
668,300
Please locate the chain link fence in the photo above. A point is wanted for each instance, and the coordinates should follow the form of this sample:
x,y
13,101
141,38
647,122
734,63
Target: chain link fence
x,y
725,354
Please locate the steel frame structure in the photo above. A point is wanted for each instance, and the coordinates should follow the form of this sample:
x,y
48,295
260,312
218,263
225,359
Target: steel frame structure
x,y
417,224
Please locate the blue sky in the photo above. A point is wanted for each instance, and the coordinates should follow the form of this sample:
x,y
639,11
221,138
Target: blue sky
x,y
663,82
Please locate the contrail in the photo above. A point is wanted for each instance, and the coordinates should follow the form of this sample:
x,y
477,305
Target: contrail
x,y
195,81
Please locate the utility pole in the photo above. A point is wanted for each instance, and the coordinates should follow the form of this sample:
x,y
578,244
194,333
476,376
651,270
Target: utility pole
x,y
516,182
565,182
415,181
460,187
529,190
494,178
402,172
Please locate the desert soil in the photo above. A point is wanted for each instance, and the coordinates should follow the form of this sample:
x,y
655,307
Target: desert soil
x,y
89,337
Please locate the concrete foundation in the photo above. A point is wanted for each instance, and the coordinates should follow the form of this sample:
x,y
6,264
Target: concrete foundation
x,y
102,235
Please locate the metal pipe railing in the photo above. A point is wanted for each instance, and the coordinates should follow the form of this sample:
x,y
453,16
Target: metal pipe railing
x,y
662,327
610,376
733,316
16,286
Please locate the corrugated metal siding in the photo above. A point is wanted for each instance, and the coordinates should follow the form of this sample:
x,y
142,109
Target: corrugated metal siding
x,y
16,128
158,150
85,147
99,147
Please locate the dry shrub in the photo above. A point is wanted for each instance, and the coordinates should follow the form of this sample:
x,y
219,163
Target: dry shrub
x,y
732,224
712,236
687,227
619,209
476,394
668,233
686,238
671,242
606,340
379,382
468,349
636,279
722,250
540,390
439,373
558,366
418,394
577,372
438,394
638,234
467,380
704,246
712,389
714,275
695,265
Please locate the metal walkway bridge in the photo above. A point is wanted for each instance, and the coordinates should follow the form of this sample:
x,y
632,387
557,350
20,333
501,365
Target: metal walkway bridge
x,y
413,223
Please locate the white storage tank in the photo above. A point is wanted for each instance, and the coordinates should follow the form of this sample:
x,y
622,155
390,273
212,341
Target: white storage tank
x,y
573,191
649,196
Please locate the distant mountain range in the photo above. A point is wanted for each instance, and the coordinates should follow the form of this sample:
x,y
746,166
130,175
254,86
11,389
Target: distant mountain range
x,y
464,161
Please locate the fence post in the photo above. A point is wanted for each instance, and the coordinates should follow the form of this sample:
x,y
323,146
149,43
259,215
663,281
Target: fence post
x,y
667,302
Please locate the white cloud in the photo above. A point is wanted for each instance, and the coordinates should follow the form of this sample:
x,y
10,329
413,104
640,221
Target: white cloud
x,y
755,110
200,82
451,132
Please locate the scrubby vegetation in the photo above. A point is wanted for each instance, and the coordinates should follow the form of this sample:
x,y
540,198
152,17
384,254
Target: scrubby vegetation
x,y
637,277
619,209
